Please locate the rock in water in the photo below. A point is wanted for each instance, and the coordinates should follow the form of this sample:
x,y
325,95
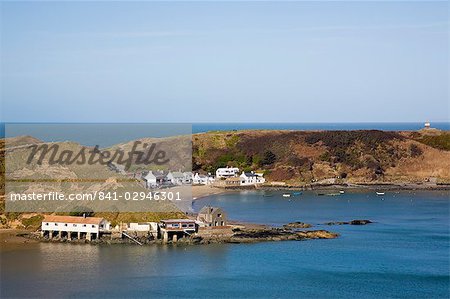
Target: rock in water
x,y
353,222
258,235
360,222
317,234
297,225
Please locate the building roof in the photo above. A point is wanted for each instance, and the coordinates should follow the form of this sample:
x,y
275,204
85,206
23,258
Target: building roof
x,y
228,169
208,210
149,175
155,175
250,174
177,174
178,220
72,219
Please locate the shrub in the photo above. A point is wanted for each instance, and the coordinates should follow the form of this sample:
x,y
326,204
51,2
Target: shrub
x,y
11,216
326,157
415,150
348,146
343,139
441,142
80,211
268,158
33,222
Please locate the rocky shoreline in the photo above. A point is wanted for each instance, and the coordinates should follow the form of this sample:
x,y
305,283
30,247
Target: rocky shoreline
x,y
248,233
239,235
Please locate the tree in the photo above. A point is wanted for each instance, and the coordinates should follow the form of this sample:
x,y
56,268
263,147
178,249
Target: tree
x,y
268,158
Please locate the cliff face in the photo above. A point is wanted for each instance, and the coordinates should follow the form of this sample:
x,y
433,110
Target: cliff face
x,y
301,157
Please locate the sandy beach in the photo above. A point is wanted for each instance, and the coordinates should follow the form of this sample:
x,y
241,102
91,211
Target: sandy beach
x,y
200,191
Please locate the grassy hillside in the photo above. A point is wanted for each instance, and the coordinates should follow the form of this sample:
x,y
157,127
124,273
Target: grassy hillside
x,y
176,148
300,157
439,140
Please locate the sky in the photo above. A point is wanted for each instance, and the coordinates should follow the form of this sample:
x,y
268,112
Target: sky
x,y
224,61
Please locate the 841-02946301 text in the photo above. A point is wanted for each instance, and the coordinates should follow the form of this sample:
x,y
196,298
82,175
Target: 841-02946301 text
x,y
97,195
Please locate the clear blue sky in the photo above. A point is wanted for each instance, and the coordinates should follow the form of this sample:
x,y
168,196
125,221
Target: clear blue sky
x,y
238,61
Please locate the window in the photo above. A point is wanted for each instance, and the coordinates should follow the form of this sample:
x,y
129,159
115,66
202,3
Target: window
x,y
56,224
219,215
84,225
75,225
191,225
46,223
175,225
65,224
101,225
93,225
184,225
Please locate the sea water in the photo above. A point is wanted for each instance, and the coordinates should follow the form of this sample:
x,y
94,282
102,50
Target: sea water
x,y
403,254
105,135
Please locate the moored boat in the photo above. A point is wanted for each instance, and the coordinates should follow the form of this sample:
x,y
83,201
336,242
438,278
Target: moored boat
x,y
286,195
380,193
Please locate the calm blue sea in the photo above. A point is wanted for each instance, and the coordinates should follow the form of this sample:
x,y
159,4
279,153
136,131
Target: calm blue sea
x,y
106,134
404,254
411,126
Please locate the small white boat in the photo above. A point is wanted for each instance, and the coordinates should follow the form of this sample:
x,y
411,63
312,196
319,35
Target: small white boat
x,y
342,191
380,193
286,195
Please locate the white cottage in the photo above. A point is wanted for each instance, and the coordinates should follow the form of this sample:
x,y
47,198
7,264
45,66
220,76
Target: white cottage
x,y
251,178
154,179
200,179
150,180
176,178
227,172
187,177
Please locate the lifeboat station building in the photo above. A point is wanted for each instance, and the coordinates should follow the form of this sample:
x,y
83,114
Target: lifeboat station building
x,y
69,227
